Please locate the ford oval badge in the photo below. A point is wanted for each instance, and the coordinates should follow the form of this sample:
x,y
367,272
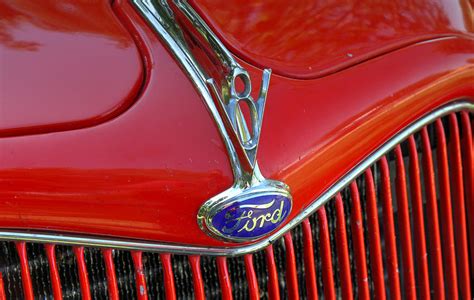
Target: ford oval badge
x,y
247,215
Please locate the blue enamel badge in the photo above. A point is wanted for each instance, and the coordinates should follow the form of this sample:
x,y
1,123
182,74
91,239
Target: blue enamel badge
x,y
247,215
253,217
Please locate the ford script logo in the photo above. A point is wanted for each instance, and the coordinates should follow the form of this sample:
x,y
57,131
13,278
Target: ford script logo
x,y
252,218
247,216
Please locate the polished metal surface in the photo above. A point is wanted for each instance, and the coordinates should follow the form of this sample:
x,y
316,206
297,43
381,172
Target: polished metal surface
x,y
248,141
161,18
241,143
228,96
253,247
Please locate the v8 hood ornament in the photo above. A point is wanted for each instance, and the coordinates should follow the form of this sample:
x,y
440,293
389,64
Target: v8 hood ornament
x,y
253,206
248,140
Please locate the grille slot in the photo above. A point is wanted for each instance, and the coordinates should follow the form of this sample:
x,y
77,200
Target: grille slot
x,y
399,230
68,272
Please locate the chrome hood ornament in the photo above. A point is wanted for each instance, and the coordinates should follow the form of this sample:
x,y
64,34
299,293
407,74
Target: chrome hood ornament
x,y
253,206
248,140
225,91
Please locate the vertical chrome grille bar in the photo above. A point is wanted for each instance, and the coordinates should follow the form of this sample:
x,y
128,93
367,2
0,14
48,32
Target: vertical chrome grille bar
x,y
111,277
459,209
421,253
343,259
53,269
310,269
273,286
389,231
251,277
25,271
2,288
326,257
224,278
449,251
435,250
357,229
168,275
291,273
195,262
137,257
376,262
468,159
404,227
83,276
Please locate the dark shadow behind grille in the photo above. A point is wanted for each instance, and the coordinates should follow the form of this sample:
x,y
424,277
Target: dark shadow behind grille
x,y
297,234
67,267
236,267
125,274
96,272
39,269
262,273
183,274
210,278
183,277
10,268
279,253
154,275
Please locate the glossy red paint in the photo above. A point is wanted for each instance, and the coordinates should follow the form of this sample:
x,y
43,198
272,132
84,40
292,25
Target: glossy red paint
x,y
308,39
136,172
64,65
145,173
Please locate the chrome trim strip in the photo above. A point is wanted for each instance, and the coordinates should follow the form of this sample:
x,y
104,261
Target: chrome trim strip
x,y
216,251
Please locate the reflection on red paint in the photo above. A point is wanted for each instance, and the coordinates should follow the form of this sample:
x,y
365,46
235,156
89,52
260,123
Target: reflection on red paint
x,y
63,65
145,173
307,39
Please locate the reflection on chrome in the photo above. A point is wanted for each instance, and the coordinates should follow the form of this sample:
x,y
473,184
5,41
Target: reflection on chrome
x,y
218,87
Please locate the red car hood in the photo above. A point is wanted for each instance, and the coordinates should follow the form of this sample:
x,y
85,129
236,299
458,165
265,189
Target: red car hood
x,y
308,39
146,173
